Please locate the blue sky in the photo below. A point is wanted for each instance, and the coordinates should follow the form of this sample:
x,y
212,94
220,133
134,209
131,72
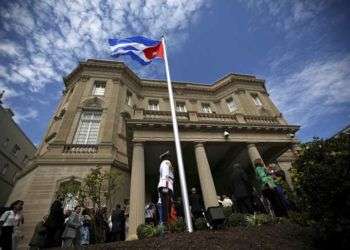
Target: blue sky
x,y
301,48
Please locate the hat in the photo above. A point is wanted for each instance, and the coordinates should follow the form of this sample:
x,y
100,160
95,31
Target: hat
x,y
166,153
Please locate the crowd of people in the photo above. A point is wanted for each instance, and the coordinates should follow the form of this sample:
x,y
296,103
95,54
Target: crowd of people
x,y
79,227
85,226
65,228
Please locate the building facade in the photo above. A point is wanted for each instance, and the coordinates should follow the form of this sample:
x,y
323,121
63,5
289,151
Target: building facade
x,y
109,117
16,150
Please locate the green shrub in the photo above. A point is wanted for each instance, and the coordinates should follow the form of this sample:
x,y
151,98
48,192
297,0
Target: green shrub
x,y
227,211
321,181
200,224
259,219
148,231
236,219
298,218
178,226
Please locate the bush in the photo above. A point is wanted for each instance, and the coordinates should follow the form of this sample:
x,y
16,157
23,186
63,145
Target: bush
x,y
321,179
236,219
227,211
259,219
200,224
298,218
148,231
178,226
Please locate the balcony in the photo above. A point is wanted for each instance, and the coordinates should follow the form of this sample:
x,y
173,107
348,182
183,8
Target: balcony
x,y
164,115
260,119
80,149
195,117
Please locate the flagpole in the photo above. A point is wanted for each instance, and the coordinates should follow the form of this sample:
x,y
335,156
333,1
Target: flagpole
x,y
178,146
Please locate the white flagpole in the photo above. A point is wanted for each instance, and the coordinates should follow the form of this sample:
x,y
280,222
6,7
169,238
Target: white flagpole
x,y
178,146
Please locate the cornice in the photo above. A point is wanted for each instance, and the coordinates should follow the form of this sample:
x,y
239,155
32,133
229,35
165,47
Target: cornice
x,y
125,71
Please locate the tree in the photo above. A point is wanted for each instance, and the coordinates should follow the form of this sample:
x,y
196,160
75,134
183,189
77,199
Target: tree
x,y
99,186
321,178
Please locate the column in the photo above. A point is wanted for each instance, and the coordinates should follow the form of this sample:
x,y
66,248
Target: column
x,y
205,177
137,190
286,166
253,153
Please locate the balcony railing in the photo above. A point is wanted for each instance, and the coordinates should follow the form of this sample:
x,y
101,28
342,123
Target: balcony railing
x,y
80,149
192,116
216,117
164,115
260,119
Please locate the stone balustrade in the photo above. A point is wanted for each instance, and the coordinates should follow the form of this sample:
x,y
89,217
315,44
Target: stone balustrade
x,y
163,115
193,116
80,149
216,117
260,119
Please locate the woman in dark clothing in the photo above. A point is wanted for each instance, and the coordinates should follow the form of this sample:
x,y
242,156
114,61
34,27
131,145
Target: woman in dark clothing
x,y
55,224
39,237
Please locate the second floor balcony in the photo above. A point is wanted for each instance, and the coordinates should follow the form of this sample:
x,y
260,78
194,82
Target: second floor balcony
x,y
143,117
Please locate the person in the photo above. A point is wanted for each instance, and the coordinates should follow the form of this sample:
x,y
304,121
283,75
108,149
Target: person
x,y
71,234
179,208
101,225
117,223
150,213
196,203
39,238
55,224
85,229
219,200
242,190
269,189
10,222
226,202
165,187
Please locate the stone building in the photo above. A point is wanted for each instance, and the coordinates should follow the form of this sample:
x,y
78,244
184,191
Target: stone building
x,y
111,118
16,150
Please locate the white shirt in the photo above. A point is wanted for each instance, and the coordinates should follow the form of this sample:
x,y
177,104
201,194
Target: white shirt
x,y
227,202
166,178
10,218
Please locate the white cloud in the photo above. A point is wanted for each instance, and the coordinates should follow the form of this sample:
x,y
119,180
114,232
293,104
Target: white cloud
x,y
30,114
48,38
288,14
320,88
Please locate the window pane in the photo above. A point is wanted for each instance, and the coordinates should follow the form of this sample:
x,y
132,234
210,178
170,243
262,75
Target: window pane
x,y
180,107
206,108
231,105
99,88
88,128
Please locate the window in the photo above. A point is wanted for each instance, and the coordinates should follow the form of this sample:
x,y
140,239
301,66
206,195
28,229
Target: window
x,y
181,107
256,100
231,104
128,100
206,108
88,128
15,149
99,88
153,105
4,168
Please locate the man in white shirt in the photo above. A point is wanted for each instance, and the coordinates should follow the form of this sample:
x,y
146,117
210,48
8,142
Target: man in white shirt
x,y
226,202
165,186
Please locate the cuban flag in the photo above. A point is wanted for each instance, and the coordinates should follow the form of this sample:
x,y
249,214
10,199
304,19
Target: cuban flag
x,y
140,48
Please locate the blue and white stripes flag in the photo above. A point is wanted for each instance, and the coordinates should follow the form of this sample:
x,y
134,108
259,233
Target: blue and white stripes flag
x,y
140,48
